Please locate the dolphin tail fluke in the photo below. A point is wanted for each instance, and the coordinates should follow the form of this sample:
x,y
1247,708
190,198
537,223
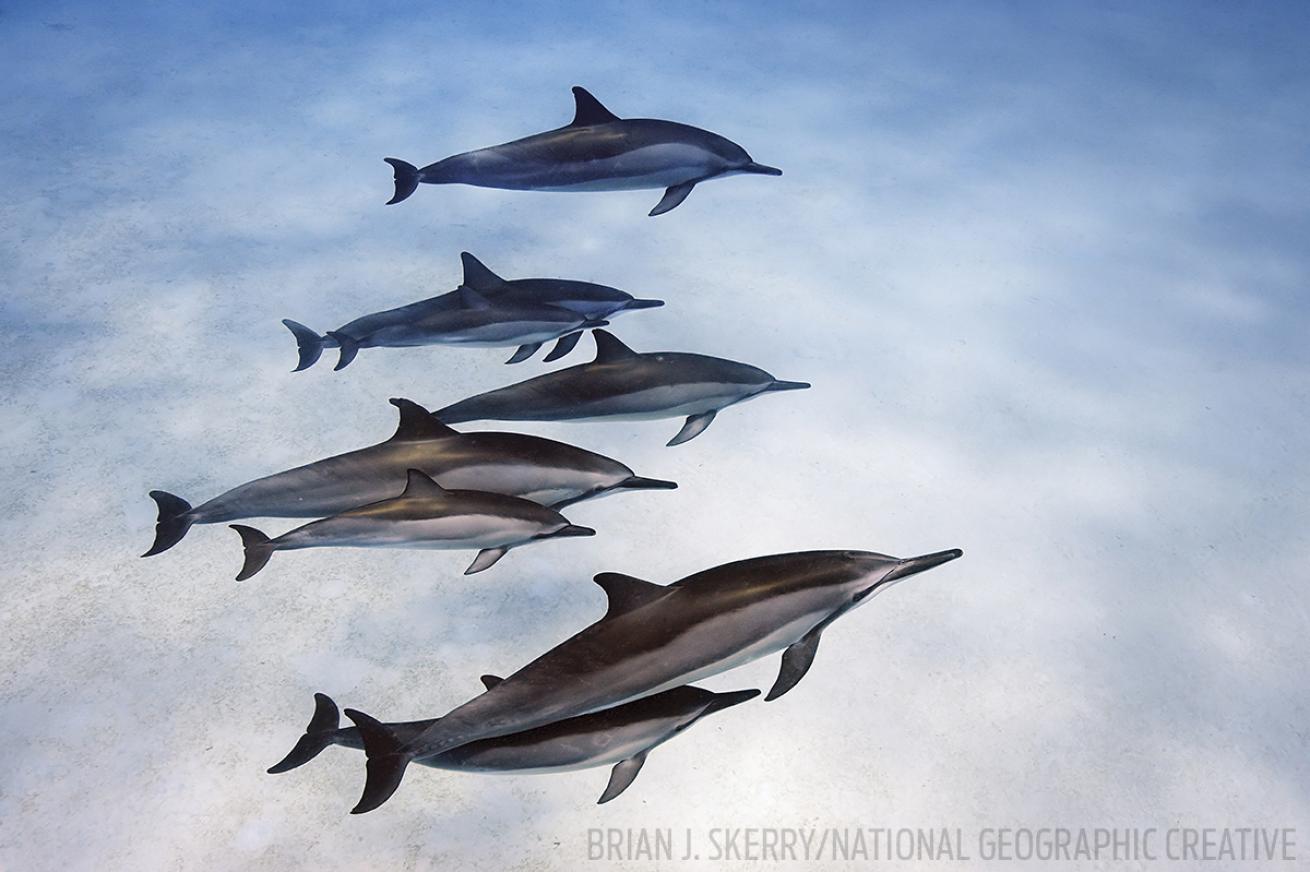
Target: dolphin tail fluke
x,y
258,549
318,735
486,559
349,348
672,198
407,178
566,343
638,482
694,426
309,345
173,522
386,761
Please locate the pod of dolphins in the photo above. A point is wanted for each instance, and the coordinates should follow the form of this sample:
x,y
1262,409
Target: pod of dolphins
x,y
622,686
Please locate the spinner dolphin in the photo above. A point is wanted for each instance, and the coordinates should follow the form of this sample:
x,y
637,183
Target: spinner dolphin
x,y
542,470
597,151
475,322
425,515
621,737
652,639
621,384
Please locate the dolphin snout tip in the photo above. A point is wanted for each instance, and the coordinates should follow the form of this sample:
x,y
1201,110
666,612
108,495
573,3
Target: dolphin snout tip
x,y
761,169
644,304
788,386
575,530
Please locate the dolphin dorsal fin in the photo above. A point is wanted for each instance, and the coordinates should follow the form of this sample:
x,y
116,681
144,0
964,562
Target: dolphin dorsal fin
x,y
477,276
417,424
490,681
589,110
471,299
609,348
627,593
419,484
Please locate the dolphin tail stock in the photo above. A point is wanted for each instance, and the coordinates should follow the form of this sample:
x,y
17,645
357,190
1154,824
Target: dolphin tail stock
x,y
349,348
407,177
174,520
258,548
309,345
387,760
318,735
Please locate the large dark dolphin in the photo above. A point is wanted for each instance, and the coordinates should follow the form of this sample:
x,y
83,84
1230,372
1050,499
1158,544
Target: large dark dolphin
x,y
621,736
475,322
597,151
542,470
622,384
425,515
653,639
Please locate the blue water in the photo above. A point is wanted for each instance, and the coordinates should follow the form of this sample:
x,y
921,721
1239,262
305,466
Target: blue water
x,y
1044,264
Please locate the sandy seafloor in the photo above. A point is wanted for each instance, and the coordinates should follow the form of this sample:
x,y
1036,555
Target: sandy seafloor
x,y
1045,265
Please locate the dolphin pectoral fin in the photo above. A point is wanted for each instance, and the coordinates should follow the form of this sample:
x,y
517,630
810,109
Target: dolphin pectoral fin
x,y
173,521
386,762
525,351
695,425
318,735
349,348
486,559
407,177
622,775
258,548
566,343
672,198
796,662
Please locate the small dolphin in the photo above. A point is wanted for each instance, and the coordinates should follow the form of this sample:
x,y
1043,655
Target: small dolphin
x,y
551,473
621,384
593,303
476,322
653,639
597,151
621,736
425,515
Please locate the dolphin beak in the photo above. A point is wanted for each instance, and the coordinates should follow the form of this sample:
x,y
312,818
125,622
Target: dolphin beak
x,y
787,386
760,169
914,565
574,530
722,701
638,482
643,304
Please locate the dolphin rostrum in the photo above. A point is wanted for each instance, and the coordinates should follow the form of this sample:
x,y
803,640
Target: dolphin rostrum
x,y
621,736
652,639
542,470
425,515
622,384
475,322
597,151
